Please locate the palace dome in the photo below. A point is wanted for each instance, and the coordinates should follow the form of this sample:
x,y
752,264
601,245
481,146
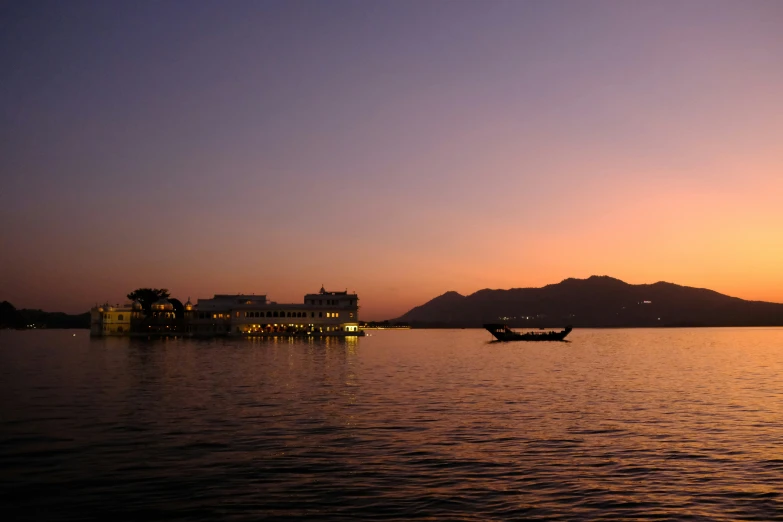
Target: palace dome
x,y
162,304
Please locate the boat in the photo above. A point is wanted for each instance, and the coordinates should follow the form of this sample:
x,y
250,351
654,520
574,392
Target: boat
x,y
504,333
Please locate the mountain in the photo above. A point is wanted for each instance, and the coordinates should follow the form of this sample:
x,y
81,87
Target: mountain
x,y
10,317
598,301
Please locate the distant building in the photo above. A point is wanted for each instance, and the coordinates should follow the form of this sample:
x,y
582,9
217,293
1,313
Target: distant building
x,y
114,319
331,313
162,319
324,313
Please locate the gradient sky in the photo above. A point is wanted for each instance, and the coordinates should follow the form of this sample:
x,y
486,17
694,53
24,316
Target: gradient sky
x,y
398,149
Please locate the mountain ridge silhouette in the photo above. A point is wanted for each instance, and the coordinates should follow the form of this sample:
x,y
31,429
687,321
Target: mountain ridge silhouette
x,y
597,301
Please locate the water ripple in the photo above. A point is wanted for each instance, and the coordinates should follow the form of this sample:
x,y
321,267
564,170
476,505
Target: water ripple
x,y
618,424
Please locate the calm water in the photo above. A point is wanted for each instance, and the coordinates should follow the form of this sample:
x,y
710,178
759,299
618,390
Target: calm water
x,y
439,424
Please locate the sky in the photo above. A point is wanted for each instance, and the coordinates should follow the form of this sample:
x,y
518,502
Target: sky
x,y
399,149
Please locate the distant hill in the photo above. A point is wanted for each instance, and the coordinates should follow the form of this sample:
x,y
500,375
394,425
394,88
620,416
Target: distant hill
x,y
10,317
598,301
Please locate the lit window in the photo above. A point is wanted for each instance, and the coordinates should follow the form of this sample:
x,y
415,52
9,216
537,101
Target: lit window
x,y
351,315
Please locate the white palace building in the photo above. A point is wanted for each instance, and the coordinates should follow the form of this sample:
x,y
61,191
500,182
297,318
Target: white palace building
x,y
322,314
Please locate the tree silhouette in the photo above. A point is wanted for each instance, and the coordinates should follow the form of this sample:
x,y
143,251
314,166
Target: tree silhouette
x,y
179,308
147,296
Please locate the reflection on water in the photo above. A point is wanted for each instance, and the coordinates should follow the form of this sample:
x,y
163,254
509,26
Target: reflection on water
x,y
399,425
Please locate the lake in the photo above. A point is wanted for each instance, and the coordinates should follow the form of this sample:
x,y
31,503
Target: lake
x,y
398,425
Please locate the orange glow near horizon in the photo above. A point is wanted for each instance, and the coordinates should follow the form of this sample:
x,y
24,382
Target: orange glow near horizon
x,y
428,148
721,239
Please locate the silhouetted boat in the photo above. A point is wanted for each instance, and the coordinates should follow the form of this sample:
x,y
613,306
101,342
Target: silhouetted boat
x,y
504,333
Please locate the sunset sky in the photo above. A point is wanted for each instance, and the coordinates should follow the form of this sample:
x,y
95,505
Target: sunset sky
x,y
398,149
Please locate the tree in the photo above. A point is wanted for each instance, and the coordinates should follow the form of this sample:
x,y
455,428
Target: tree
x,y
179,308
147,296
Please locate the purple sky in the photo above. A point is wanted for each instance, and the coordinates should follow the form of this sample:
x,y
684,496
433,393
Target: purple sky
x,y
398,149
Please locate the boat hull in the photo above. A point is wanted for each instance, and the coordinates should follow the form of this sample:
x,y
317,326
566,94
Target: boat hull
x,y
501,332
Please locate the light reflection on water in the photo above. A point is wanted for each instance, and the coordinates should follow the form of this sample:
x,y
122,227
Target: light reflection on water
x,y
662,423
